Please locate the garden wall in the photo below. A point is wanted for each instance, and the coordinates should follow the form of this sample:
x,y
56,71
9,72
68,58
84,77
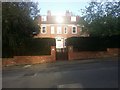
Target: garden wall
x,y
18,60
92,54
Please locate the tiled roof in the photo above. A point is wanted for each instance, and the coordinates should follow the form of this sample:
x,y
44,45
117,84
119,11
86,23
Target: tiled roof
x,y
52,20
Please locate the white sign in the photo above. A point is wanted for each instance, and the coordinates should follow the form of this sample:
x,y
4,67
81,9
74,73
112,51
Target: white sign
x,y
59,43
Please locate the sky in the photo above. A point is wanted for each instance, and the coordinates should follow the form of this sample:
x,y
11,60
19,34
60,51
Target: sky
x,y
61,7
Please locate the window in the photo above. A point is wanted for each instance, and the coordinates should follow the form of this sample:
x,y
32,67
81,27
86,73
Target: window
x,y
73,18
65,30
74,30
44,18
43,30
59,30
52,30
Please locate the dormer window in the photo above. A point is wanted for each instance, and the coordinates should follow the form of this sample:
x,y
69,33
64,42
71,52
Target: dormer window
x,y
44,18
59,19
73,18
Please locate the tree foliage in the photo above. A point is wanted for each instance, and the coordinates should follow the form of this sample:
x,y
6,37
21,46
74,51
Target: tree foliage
x,y
102,18
17,23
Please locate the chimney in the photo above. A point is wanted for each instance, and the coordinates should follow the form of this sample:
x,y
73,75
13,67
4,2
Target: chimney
x,y
67,13
48,13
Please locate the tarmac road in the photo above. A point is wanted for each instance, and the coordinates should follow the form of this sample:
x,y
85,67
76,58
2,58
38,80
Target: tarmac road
x,y
93,73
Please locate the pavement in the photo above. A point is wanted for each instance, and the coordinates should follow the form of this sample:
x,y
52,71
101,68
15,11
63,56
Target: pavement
x,y
65,62
91,73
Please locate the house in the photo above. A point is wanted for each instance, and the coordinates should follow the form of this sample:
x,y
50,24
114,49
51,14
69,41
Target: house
x,y
59,27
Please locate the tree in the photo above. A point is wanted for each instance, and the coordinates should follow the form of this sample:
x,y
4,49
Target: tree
x,y
17,23
103,18
83,25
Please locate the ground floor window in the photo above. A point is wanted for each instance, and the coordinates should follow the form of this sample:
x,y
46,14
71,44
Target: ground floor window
x,y
59,30
65,30
52,30
43,30
74,29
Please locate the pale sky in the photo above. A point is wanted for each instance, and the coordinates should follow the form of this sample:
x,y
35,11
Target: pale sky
x,y
61,7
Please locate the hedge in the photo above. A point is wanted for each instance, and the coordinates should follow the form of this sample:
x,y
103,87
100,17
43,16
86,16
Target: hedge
x,y
32,47
93,43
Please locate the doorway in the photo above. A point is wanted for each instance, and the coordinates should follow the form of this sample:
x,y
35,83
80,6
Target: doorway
x,y
61,49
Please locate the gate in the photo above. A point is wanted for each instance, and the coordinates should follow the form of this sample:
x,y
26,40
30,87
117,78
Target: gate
x,y
61,54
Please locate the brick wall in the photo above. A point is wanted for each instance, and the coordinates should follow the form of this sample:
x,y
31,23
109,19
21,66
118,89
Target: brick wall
x,y
91,54
18,60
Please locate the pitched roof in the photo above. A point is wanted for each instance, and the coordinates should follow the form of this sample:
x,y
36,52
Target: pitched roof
x,y
52,20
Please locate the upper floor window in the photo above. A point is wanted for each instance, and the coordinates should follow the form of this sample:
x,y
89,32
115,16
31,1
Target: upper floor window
x,y
65,30
43,30
74,30
52,30
59,30
44,18
73,18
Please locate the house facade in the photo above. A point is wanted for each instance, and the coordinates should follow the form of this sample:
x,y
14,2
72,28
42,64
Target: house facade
x,y
59,27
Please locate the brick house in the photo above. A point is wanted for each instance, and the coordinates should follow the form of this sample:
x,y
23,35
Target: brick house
x,y
59,27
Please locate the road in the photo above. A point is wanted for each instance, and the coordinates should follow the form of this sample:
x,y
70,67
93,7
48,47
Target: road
x,y
97,73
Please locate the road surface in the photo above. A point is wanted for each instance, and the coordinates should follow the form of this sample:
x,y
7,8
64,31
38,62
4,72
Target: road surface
x,y
97,73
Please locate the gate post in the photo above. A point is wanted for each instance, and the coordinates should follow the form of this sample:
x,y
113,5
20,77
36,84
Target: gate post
x,y
70,52
53,52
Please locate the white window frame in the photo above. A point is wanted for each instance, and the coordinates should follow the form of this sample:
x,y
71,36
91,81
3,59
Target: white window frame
x,y
59,30
66,30
73,18
75,31
43,18
42,30
52,30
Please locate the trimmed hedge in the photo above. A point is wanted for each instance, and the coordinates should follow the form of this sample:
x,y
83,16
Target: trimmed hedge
x,y
40,46
32,47
93,43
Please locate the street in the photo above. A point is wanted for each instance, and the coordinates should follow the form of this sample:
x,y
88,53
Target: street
x,y
96,73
